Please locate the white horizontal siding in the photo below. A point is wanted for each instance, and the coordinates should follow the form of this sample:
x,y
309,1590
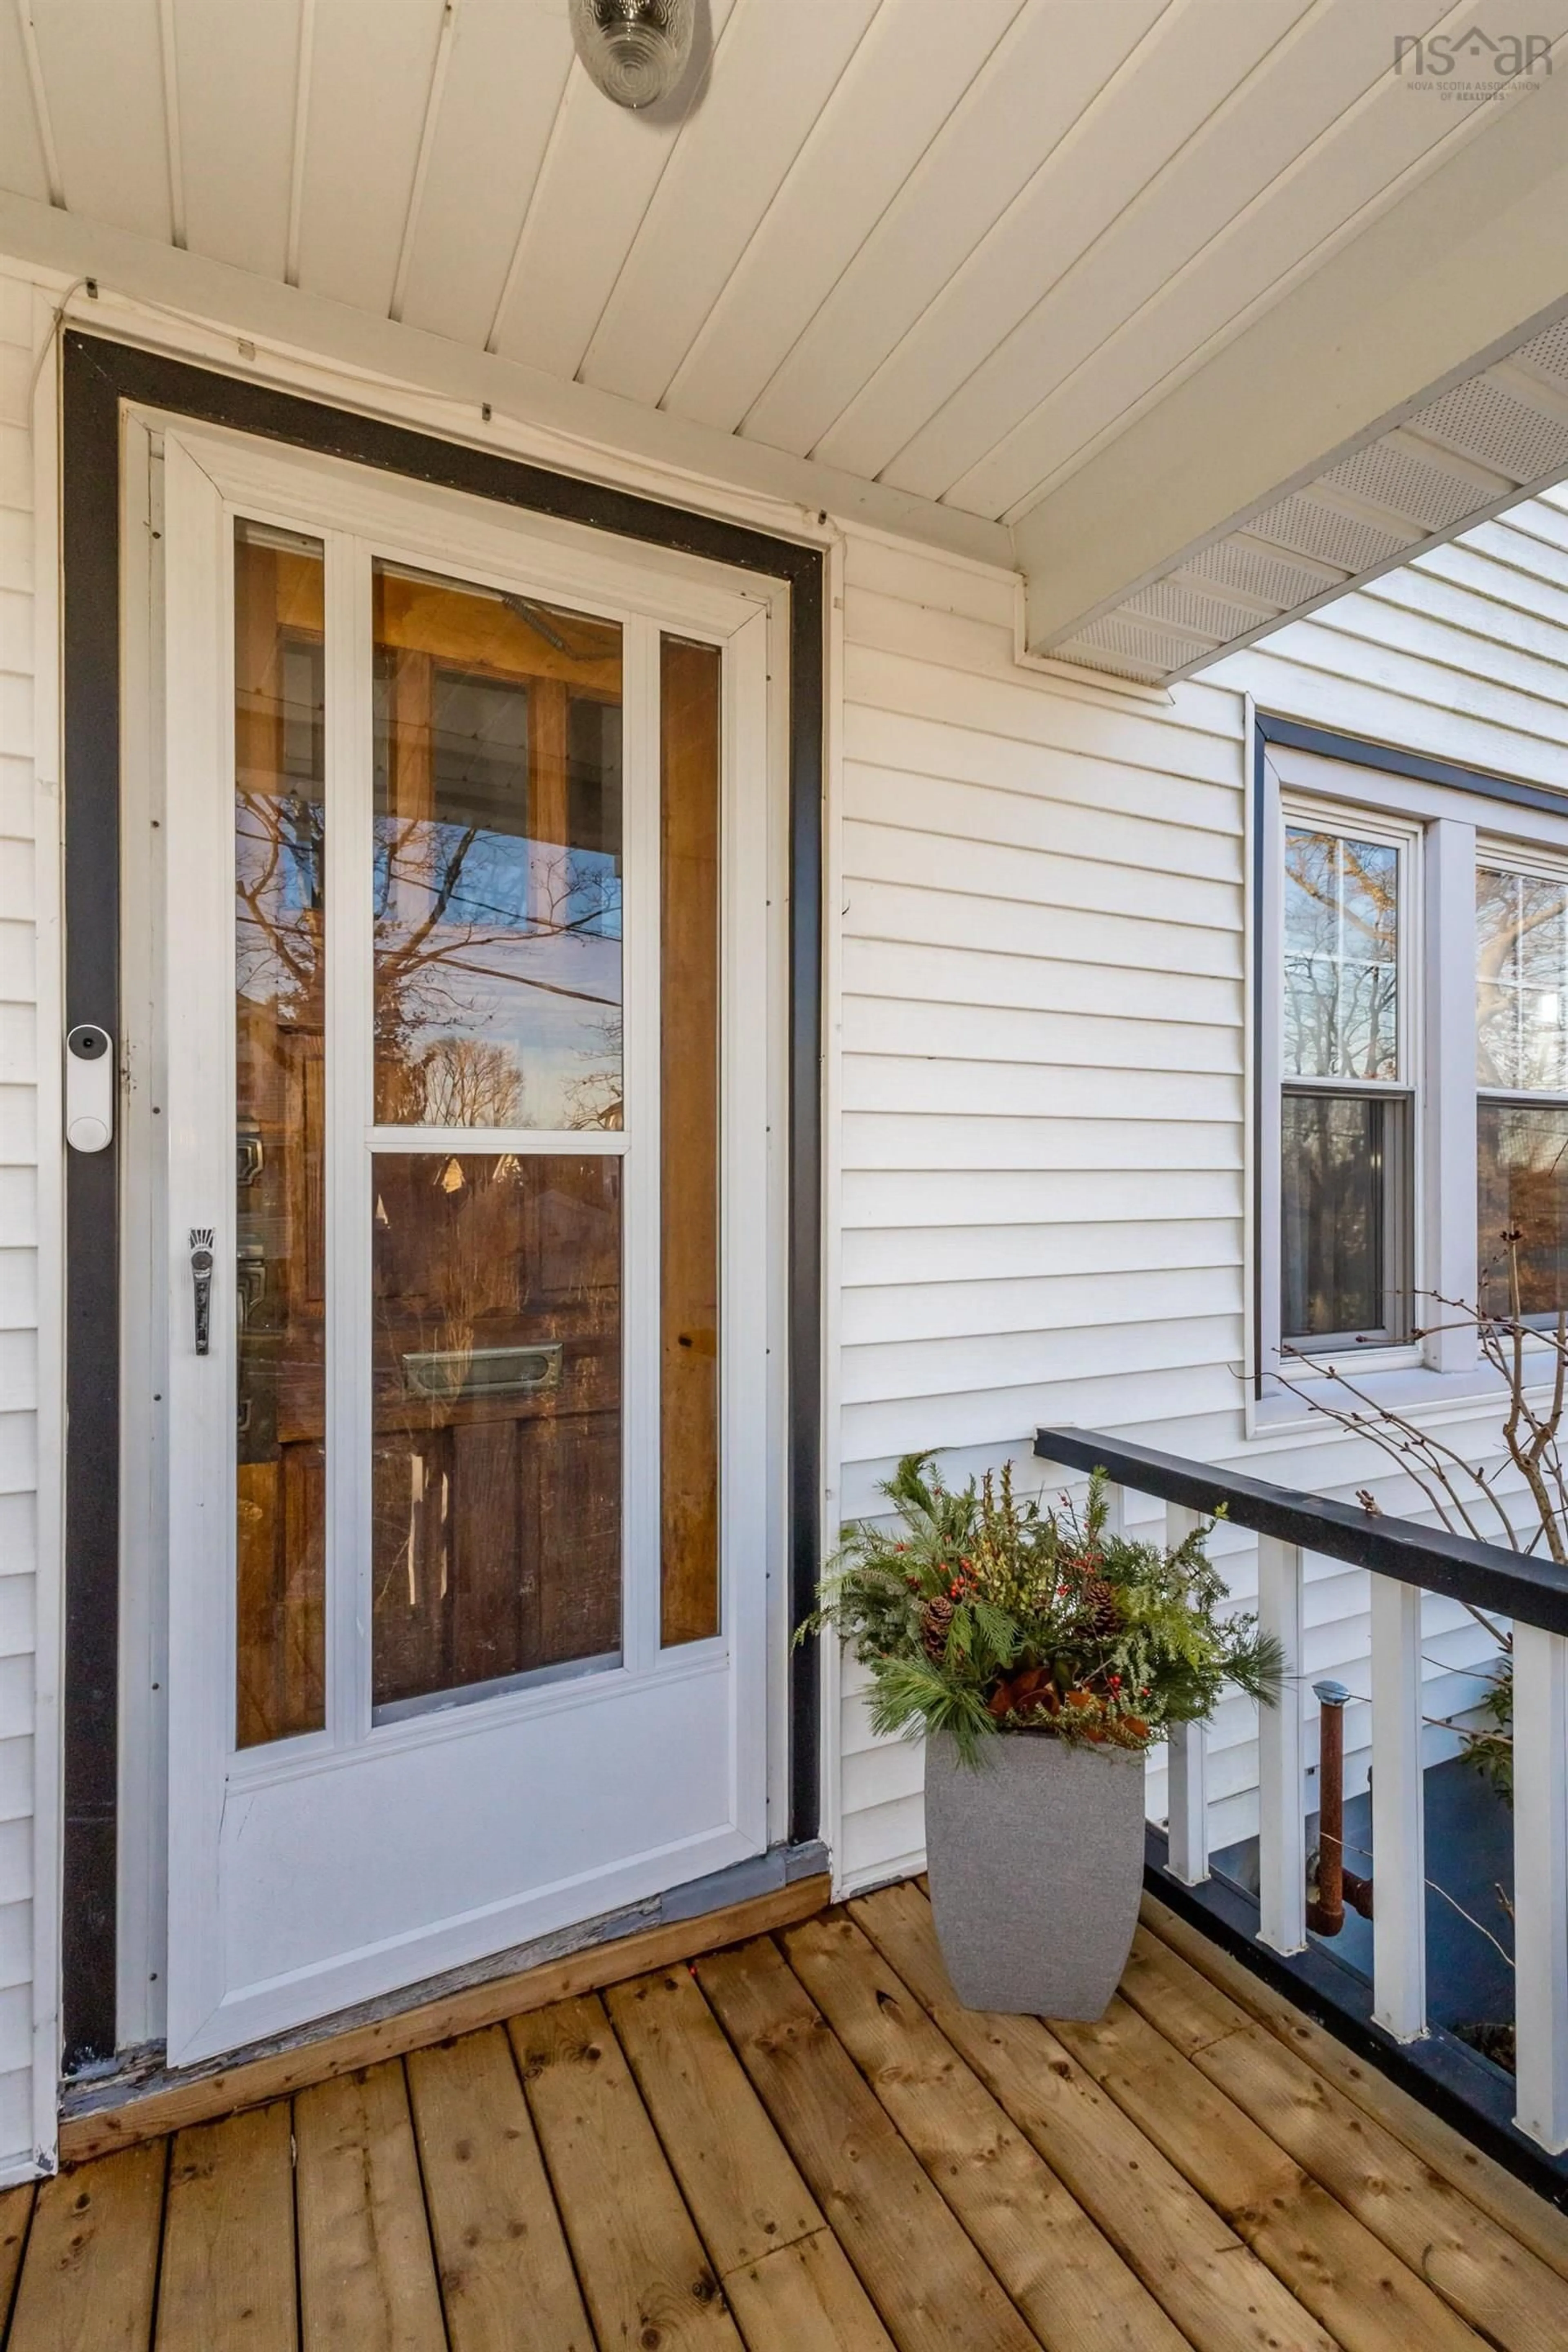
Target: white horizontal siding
x,y
1043,1049
1042,1068
19,1281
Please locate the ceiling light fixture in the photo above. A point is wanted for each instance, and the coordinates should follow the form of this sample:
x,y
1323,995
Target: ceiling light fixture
x,y
635,50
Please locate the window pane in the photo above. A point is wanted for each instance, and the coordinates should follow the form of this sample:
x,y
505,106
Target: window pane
x,y
1523,1166
498,859
1342,938
497,1369
279,1003
690,1132
1341,1193
1521,982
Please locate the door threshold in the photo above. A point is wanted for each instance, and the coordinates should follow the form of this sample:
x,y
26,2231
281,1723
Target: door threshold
x,y
143,2099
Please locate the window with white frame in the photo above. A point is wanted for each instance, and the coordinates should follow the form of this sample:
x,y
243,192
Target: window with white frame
x,y
1521,1078
1346,1107
1412,1059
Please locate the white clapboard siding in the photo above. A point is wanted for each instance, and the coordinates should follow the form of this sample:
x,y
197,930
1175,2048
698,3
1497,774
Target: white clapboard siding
x,y
19,1282
1042,1048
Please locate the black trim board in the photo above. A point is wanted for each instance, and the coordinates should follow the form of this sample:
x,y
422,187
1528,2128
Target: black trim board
x,y
1295,735
1482,1576
100,376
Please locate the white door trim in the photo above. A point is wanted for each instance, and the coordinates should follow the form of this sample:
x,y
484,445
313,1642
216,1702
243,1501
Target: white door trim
x,y
207,475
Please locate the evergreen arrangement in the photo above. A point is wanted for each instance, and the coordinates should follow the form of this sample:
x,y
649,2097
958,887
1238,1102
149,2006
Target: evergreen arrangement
x,y
978,1614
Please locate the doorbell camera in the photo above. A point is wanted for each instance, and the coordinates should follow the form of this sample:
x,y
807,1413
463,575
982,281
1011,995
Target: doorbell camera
x,y
90,1088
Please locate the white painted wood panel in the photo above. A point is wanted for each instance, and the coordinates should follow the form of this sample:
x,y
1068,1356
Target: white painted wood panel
x,y
370,79
1163,94
951,1088
775,75
1323,135
911,68
594,186
26,857
1039,79
1120,780
894,1263
21,142
238,73
941,810
892,1199
107,121
937,861
504,85
1245,153
1005,1034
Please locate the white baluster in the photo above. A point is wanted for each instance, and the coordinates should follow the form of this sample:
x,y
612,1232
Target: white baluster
x,y
1188,1832
1398,1813
1541,1882
1281,1822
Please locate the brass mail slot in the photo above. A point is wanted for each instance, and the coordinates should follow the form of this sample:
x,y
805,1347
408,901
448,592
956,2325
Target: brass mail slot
x,y
483,1371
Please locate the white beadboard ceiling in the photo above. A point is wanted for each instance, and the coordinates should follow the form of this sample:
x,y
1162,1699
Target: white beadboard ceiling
x,y
953,246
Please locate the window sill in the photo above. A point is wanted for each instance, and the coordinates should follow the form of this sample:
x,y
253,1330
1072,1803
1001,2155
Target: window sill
x,y
1405,1388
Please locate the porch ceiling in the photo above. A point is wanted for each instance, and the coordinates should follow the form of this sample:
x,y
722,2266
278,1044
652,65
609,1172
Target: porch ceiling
x,y
967,250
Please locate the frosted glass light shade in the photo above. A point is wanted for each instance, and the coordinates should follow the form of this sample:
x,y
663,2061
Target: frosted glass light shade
x,y
635,50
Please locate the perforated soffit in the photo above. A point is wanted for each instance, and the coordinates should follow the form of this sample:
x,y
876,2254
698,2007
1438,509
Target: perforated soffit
x,y
1485,443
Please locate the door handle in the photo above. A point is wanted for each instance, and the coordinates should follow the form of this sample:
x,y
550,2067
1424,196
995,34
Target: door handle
x,y
202,1280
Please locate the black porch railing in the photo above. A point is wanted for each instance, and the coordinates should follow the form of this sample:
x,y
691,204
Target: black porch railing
x,y
1270,1930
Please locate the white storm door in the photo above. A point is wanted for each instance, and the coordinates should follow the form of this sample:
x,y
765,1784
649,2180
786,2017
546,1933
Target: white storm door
x,y
467,1014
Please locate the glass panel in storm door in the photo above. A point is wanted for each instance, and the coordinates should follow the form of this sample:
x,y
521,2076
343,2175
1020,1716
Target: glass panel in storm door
x,y
498,859
280,1003
497,1369
688,1130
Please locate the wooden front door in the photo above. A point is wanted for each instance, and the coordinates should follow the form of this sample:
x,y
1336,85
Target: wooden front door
x,y
467,951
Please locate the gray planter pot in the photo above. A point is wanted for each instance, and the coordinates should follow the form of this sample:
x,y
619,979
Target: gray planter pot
x,y
1035,1859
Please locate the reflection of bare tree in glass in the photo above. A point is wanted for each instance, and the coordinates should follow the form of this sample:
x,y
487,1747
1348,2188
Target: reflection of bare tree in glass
x,y
279,868
1520,976
480,899
1340,935
593,1101
432,1069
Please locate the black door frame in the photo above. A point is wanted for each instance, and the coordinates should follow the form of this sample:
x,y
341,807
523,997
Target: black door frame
x,y
99,377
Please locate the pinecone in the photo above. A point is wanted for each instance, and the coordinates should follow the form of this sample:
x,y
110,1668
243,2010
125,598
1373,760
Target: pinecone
x,y
1101,1613
935,1619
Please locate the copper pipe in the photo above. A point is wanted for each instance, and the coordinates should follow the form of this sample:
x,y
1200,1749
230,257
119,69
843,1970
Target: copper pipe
x,y
1336,1884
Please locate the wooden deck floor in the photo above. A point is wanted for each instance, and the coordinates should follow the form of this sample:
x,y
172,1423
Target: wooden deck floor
x,y
802,2142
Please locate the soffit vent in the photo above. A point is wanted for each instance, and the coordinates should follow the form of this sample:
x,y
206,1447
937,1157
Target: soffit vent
x,y
1476,450
1485,421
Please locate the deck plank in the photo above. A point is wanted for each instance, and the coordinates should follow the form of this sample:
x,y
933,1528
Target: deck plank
x,y
1331,2263
367,2275
1504,2291
91,2266
227,2278
915,2261
15,2215
1069,2284
645,2272
1217,2293
745,2193
1229,1987
506,2277
805,2296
